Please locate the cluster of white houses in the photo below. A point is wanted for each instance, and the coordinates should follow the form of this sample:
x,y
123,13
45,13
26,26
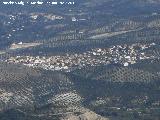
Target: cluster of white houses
x,y
119,54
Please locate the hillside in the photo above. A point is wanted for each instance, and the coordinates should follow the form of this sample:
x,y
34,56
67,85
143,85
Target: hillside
x,y
94,60
31,93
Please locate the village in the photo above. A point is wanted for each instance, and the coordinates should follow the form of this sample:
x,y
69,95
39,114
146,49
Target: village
x,y
124,55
